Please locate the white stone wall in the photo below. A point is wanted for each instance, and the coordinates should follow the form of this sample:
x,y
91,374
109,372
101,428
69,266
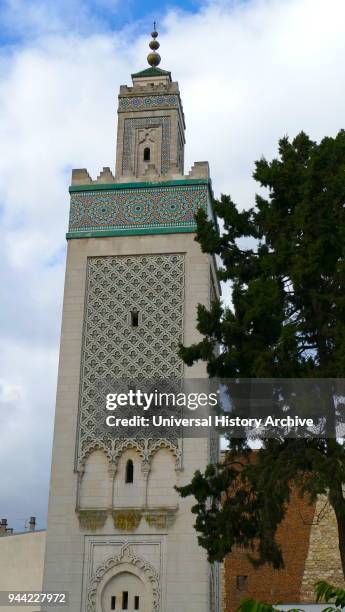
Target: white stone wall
x,y
72,554
96,482
21,565
161,480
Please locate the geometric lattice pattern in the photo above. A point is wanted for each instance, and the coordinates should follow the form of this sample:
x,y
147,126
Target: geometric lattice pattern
x,y
114,350
147,102
138,208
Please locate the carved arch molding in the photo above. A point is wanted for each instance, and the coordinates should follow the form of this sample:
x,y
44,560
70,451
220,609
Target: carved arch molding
x,y
125,560
146,449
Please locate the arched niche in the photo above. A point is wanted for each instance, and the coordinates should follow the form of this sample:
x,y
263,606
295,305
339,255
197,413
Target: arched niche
x,y
125,591
95,482
162,479
148,150
129,481
125,572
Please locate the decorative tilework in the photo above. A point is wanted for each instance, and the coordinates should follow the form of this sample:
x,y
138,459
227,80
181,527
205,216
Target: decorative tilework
x,y
147,102
172,209
146,122
113,351
132,209
137,209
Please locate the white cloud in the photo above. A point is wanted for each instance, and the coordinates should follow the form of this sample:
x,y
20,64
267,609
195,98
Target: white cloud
x,y
252,72
27,392
9,393
249,72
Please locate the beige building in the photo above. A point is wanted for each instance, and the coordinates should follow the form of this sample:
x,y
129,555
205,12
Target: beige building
x,y
119,536
21,563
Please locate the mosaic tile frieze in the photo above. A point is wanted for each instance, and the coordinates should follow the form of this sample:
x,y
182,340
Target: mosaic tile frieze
x,y
121,209
147,102
130,125
113,350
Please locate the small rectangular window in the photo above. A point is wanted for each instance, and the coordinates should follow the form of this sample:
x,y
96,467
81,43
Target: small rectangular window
x,y
113,602
136,602
129,471
242,583
124,600
134,318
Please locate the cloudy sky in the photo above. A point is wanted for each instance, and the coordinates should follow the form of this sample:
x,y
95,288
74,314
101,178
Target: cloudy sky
x,y
250,71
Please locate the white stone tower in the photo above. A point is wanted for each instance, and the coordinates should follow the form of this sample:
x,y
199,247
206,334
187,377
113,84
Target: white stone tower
x,y
119,537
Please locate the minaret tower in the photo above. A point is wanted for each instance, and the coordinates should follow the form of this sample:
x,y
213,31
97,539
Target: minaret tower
x,y
119,536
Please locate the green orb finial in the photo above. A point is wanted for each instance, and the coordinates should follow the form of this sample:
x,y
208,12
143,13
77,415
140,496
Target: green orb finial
x,y
154,58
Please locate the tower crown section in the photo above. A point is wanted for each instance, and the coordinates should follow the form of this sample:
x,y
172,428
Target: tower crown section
x,y
151,128
149,192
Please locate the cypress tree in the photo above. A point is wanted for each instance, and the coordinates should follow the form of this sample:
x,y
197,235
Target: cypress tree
x,y
285,260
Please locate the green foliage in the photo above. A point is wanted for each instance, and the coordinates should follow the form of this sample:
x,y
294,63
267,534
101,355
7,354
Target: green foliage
x,y
327,592
284,259
288,314
251,605
323,591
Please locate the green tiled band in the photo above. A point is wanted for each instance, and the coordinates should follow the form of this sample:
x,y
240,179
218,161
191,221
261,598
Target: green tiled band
x,y
146,185
131,232
118,209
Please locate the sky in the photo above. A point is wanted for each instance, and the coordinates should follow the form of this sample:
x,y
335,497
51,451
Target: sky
x,y
250,72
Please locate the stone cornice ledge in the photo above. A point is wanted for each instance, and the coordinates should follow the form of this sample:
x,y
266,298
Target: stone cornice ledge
x,y
135,185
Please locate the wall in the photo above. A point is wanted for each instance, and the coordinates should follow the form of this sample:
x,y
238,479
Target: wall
x,y
323,560
21,564
265,583
74,553
309,540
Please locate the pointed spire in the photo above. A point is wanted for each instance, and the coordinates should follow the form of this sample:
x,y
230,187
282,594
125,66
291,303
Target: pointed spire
x,y
154,58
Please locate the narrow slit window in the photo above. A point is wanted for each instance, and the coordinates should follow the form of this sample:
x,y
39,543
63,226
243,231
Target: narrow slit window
x,y
124,600
147,154
113,602
136,602
135,318
129,471
241,583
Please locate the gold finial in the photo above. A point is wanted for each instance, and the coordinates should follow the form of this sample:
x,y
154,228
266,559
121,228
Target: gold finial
x,y
154,58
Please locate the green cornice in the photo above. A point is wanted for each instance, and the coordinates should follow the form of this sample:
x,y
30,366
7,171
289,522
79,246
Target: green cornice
x,y
151,72
131,232
148,185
